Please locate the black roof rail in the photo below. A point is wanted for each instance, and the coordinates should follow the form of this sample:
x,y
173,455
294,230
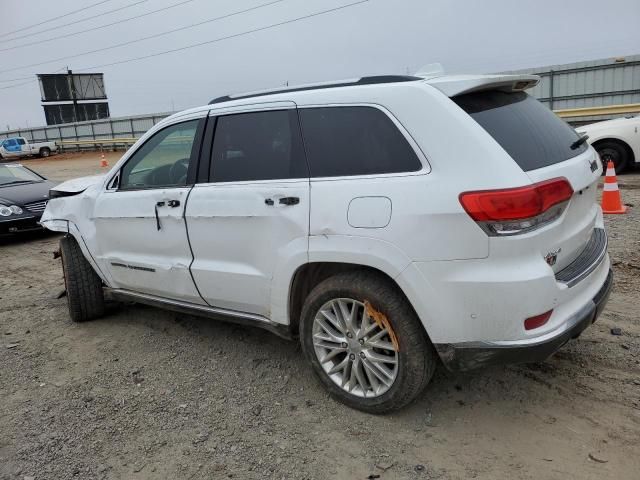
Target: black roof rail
x,y
373,80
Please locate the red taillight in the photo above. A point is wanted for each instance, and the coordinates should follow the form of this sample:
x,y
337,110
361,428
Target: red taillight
x,y
511,205
516,203
537,321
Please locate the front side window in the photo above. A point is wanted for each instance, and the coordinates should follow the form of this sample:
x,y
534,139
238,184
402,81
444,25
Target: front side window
x,y
163,161
21,141
342,141
257,146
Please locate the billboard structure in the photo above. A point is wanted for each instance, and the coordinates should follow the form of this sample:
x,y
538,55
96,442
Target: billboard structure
x,y
73,97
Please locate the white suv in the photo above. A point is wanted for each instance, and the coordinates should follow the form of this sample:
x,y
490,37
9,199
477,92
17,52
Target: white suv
x,y
389,222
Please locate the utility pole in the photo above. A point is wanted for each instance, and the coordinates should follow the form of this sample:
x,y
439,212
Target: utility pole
x,y
72,89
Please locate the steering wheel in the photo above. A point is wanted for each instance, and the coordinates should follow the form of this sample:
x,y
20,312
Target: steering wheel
x,y
178,171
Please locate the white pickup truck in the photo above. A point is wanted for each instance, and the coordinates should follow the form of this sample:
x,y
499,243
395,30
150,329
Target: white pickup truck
x,y
17,147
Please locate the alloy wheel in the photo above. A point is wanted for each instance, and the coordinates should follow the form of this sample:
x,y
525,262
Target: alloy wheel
x,y
355,350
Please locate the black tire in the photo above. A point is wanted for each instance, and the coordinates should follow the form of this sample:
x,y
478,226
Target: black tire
x,y
614,151
45,152
85,296
416,356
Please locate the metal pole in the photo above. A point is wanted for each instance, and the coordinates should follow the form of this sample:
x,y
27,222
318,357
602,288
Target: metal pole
x,y
113,146
93,135
550,89
75,129
72,88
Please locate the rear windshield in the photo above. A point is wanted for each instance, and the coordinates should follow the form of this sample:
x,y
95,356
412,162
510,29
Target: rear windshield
x,y
531,133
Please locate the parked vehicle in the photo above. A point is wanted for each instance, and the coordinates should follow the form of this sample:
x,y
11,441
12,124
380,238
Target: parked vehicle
x,y
616,140
23,198
18,147
388,222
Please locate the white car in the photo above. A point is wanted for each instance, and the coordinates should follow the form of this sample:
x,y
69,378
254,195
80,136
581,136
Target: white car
x,y
616,140
388,222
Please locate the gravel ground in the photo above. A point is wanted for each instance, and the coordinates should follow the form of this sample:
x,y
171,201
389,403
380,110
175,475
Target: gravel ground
x,y
148,394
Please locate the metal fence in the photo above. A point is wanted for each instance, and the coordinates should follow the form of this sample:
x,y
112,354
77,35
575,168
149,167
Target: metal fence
x,y
92,134
588,87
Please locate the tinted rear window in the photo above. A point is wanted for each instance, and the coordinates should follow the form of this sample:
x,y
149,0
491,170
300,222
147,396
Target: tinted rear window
x,y
343,141
531,133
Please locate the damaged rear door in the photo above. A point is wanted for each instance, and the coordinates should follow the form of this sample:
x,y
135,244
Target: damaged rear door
x,y
139,219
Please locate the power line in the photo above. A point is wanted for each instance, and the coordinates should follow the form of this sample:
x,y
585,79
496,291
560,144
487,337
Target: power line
x,y
167,32
128,19
81,20
30,77
216,40
55,18
18,84
220,39
15,79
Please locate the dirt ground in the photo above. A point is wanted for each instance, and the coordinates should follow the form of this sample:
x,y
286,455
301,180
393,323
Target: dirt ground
x,y
147,394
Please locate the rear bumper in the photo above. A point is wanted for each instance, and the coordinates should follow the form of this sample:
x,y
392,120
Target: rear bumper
x,y
471,355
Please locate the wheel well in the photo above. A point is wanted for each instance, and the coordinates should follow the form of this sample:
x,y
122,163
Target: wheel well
x,y
309,275
623,144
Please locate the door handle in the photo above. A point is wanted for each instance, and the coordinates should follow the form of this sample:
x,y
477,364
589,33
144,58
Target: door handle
x,y
289,201
268,201
169,203
155,209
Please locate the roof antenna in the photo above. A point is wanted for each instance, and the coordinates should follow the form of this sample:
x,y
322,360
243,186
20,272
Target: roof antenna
x,y
430,70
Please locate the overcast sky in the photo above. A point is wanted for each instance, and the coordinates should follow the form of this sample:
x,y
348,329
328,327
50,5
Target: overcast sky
x,y
373,37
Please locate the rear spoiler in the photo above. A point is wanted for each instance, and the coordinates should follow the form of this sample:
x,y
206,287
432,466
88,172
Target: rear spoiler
x,y
460,84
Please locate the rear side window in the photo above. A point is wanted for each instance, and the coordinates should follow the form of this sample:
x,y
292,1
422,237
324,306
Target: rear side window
x,y
257,146
527,130
342,141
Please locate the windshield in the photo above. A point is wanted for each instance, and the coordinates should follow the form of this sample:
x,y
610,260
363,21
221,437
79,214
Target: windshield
x,y
530,133
13,174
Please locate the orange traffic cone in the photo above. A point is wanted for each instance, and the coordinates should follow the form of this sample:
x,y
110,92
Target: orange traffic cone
x,y
103,161
611,201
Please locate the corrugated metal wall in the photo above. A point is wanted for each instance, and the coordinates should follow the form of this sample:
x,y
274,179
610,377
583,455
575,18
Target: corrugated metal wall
x,y
595,83
125,128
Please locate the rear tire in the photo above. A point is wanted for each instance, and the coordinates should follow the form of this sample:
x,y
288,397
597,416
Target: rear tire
x,y
45,152
85,296
415,357
614,151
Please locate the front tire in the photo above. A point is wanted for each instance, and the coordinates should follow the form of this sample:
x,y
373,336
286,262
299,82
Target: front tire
x,y
85,296
365,342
